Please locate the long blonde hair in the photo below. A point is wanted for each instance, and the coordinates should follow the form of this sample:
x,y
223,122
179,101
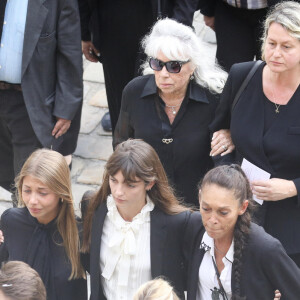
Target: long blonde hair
x,y
51,169
134,158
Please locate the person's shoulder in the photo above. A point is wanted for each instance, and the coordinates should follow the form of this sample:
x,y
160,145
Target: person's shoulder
x,y
240,68
13,215
137,82
261,241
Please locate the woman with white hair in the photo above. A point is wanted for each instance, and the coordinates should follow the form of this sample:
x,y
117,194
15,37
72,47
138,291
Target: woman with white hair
x,y
172,108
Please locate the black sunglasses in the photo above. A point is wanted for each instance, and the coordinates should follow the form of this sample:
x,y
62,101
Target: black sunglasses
x,y
173,66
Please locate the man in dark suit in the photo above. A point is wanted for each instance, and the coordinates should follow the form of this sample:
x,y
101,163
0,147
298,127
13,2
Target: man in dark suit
x,y
40,80
114,29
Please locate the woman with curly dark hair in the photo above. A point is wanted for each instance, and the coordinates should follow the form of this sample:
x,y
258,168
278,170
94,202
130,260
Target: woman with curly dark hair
x,y
234,258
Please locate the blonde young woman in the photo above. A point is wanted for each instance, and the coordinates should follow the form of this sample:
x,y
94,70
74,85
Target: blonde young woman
x,y
44,232
135,229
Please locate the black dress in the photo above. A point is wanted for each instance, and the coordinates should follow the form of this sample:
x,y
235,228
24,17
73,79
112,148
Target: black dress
x,y
41,247
183,146
270,142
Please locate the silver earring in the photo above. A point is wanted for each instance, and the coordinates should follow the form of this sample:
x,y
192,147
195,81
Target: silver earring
x,y
192,77
62,200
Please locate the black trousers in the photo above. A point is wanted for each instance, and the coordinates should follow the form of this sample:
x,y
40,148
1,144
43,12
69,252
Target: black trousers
x,y
123,24
238,33
17,138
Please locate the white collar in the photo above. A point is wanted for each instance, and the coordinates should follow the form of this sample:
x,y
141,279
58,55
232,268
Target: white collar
x,y
208,244
122,243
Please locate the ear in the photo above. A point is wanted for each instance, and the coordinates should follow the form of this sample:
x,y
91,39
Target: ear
x,y
244,207
150,185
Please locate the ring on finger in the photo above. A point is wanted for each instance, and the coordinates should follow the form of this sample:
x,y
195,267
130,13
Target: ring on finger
x,y
224,147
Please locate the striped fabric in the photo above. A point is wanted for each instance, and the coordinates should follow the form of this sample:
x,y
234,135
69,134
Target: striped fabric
x,y
248,4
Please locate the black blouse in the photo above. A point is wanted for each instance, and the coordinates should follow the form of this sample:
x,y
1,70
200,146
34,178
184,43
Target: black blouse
x,y
183,146
41,247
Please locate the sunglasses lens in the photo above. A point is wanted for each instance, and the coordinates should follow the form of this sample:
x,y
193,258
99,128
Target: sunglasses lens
x,y
155,64
173,67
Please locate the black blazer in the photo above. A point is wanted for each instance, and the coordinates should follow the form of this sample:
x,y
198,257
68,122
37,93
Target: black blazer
x,y
266,267
276,151
180,10
171,238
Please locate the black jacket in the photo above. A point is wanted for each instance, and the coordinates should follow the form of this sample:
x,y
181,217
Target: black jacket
x,y
266,267
186,159
275,151
171,238
180,10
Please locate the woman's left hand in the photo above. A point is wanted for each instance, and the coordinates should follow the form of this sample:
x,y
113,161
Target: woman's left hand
x,y
273,189
221,143
277,295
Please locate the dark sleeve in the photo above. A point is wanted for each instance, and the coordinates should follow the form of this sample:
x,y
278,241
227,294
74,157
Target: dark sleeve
x,y
69,85
4,227
193,229
85,16
297,184
184,11
207,7
281,270
124,130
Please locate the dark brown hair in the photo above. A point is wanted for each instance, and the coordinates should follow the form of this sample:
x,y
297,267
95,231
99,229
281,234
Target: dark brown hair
x,y
135,159
18,281
234,179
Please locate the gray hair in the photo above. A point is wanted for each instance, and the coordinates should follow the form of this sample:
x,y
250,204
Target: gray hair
x,y
287,14
179,42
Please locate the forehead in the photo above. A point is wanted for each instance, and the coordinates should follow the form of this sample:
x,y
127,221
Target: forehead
x,y
161,56
127,178
278,32
33,181
216,196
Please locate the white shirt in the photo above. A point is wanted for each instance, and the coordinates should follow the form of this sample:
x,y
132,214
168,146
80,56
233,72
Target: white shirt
x,y
207,275
125,252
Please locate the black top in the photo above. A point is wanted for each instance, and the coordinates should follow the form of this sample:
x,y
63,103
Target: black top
x,y
265,268
41,247
276,150
183,147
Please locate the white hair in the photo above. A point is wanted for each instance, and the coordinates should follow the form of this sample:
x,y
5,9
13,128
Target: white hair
x,y
179,42
287,14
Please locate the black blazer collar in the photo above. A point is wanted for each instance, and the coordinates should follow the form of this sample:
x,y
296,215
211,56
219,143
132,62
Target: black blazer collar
x,y
158,231
195,91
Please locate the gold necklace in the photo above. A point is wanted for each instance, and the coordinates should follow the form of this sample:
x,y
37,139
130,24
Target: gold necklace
x,y
274,101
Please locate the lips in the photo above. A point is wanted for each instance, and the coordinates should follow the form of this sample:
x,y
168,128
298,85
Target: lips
x,y
34,210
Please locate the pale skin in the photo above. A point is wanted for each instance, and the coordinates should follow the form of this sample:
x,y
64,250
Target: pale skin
x,y
281,78
210,22
61,127
130,197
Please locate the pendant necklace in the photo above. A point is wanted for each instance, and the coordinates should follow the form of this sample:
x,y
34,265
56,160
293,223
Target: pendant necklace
x,y
173,107
276,105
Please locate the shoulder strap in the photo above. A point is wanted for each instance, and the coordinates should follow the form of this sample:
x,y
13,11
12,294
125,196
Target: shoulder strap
x,y
245,83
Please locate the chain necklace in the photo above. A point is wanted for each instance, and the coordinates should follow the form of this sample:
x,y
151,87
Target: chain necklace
x,y
173,107
274,101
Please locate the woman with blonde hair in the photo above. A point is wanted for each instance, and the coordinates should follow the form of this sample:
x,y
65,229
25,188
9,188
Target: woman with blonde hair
x,y
135,229
157,289
44,231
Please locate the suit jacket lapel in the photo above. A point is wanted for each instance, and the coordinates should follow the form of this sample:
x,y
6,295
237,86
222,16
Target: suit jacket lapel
x,y
194,272
158,231
36,16
97,228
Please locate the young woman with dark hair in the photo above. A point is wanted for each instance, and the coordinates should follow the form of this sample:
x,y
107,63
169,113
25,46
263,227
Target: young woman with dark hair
x,y
134,228
234,258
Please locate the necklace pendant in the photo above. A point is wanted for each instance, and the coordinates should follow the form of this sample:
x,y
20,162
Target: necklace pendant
x,y
277,110
173,111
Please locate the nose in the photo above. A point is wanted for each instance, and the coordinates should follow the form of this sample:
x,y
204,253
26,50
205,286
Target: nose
x,y
213,219
119,190
33,198
164,72
277,51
